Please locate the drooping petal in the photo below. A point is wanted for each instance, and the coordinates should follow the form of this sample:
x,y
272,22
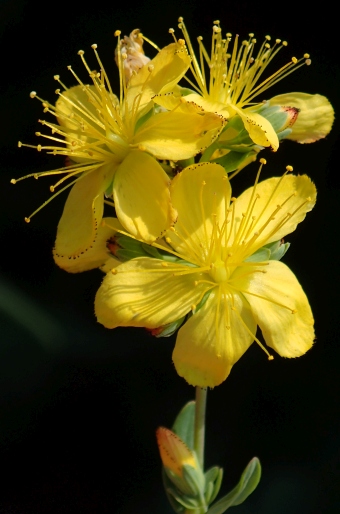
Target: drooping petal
x,y
280,308
168,102
159,76
78,236
259,129
179,134
200,194
142,197
315,119
213,339
271,211
146,292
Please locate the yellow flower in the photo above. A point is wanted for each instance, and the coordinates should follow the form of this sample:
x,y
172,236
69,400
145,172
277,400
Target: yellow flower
x,y
113,145
227,288
235,78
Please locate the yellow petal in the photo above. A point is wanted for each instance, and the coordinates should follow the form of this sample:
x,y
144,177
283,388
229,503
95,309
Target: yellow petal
x,y
179,134
213,339
78,236
170,101
142,197
280,307
200,194
146,292
272,210
259,129
315,118
158,76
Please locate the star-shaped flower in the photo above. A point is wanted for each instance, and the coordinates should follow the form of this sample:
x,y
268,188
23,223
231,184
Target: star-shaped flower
x,y
222,277
113,145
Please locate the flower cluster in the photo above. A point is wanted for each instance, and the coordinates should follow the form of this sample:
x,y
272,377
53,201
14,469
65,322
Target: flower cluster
x,y
177,248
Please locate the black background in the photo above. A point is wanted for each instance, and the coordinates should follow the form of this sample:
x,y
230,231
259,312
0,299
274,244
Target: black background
x,y
79,404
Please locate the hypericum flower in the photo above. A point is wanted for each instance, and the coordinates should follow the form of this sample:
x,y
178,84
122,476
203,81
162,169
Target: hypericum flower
x,y
113,144
235,78
227,287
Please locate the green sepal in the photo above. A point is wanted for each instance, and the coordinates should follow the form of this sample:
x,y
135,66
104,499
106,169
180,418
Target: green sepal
x,y
284,133
184,424
213,481
277,250
179,501
270,252
276,116
171,328
247,484
235,160
145,118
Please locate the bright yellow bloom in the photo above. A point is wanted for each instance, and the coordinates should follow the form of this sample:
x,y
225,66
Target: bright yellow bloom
x,y
228,292
235,78
113,145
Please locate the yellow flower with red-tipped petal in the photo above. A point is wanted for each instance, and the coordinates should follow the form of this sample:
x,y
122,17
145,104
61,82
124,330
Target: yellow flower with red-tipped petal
x,y
227,290
113,143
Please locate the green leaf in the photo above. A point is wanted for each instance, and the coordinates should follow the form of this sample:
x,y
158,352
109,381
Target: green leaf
x,y
184,424
213,480
247,484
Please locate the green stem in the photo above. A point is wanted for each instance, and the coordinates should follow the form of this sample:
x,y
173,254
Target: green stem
x,y
200,407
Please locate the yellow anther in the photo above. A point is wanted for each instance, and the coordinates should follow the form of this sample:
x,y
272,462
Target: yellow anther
x,y
27,220
38,133
165,264
294,60
56,77
19,144
268,38
94,46
181,42
171,31
114,271
13,181
271,358
151,68
278,41
285,43
306,56
308,62
180,19
33,94
168,240
117,33
263,161
52,189
39,148
81,52
289,168
193,307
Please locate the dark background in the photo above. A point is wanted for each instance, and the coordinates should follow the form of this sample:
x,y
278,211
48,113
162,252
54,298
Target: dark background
x,y
79,404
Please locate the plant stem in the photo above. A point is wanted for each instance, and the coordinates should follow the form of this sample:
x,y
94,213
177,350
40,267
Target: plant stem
x,y
200,407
